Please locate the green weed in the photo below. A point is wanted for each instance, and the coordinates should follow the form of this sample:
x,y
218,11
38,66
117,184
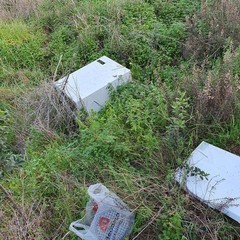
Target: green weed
x,y
171,227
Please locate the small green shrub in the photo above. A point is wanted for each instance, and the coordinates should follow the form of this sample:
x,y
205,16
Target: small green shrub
x,y
127,127
180,115
177,133
138,16
20,47
171,227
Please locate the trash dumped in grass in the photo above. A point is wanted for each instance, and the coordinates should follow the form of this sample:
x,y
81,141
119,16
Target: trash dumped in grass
x,y
107,216
88,86
212,175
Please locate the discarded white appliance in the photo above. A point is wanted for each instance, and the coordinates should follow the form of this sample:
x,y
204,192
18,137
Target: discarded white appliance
x,y
107,216
88,86
221,188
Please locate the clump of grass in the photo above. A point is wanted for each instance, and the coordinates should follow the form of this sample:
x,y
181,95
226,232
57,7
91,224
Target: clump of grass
x,y
14,33
11,9
47,109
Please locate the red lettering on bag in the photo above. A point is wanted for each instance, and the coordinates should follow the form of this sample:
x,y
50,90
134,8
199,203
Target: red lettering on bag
x,y
95,207
103,223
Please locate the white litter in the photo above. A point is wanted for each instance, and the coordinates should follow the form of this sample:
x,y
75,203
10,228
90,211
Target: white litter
x,y
221,188
88,86
107,216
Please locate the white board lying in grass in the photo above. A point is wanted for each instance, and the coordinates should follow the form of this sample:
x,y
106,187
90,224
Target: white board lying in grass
x,y
88,86
221,189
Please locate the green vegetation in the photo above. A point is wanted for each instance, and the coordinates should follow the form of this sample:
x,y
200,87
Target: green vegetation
x,y
185,90
21,52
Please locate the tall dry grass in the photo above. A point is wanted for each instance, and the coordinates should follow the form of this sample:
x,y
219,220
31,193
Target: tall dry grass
x,y
11,9
23,221
215,93
210,30
47,110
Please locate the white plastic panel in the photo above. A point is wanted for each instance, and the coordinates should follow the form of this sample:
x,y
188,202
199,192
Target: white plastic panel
x,y
88,86
221,189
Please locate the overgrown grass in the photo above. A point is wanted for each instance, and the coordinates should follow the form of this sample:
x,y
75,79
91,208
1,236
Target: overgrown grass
x,y
21,51
147,129
212,29
129,31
